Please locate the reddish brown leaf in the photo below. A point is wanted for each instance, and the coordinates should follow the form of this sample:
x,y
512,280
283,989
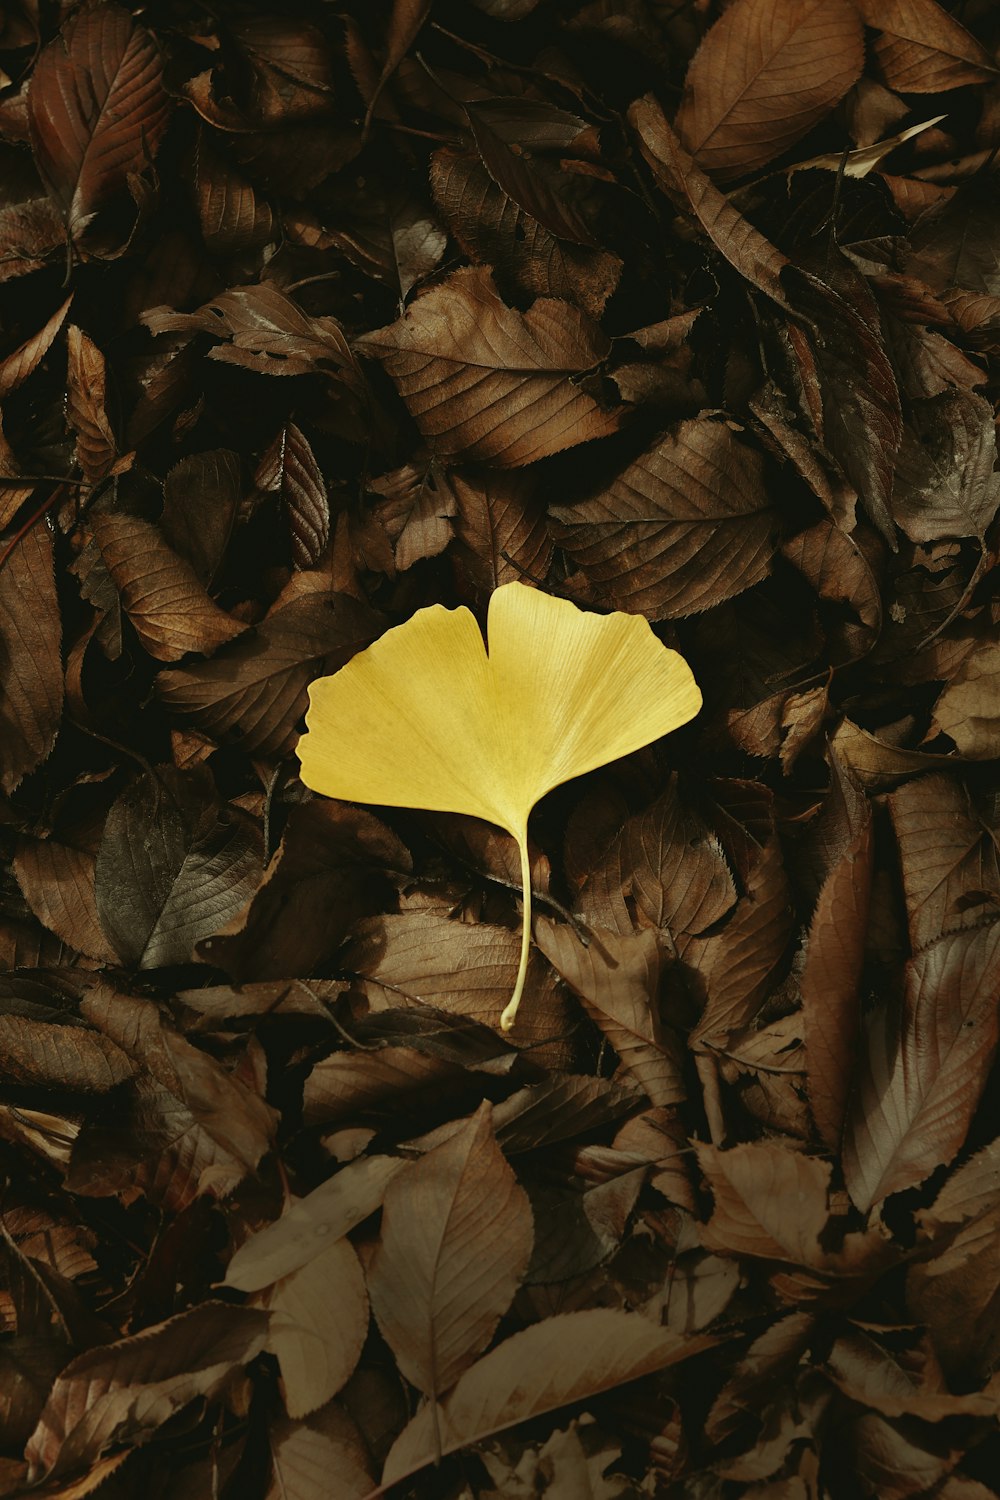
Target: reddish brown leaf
x,y
518,141
746,249
200,497
233,217
97,110
768,1202
763,76
256,688
58,884
18,365
455,1241
500,531
86,406
31,687
493,230
921,49
160,592
484,381
921,1073
684,527
417,512
289,469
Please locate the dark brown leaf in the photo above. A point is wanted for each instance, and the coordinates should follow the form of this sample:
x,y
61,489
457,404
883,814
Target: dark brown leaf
x,y
172,868
257,686
763,76
86,406
31,684
97,110
921,49
922,1072
18,365
58,884
200,497
500,531
484,381
684,527
289,470
160,592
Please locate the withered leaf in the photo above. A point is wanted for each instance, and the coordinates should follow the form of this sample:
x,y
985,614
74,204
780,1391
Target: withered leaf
x,y
493,230
763,76
922,1072
122,1392
262,329
200,496
684,527
921,49
618,980
233,217
289,469
455,1241
305,1453
417,512
561,1359
746,249
160,591
317,1326
173,867
97,110
18,365
86,406
31,685
256,687
948,858
57,881
517,140
500,531
484,381
969,707
60,1056
768,1201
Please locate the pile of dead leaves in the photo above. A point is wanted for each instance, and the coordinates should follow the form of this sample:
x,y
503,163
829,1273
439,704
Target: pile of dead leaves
x,y
314,314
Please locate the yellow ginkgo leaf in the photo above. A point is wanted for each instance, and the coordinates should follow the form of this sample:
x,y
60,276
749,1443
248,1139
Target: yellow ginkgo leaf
x,y
424,718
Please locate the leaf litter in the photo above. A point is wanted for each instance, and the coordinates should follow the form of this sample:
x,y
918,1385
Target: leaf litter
x,y
314,319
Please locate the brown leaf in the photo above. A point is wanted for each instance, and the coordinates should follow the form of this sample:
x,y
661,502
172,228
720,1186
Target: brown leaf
x,y
122,1392
289,469
831,976
256,687
769,1201
484,381
923,50
763,76
500,531
173,867
956,1289
97,110
306,1453
58,884
31,687
309,1225
62,1056
922,1073
948,858
495,231
663,867
317,1337
746,249
946,485
734,965
428,958
562,1359
684,527
405,21
518,141
233,217
334,865
185,1127
160,592
969,707
391,235
417,512
86,406
18,365
618,980
200,497
260,328
455,1242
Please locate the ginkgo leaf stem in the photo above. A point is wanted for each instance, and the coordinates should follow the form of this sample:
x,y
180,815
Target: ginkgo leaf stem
x,y
510,1011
